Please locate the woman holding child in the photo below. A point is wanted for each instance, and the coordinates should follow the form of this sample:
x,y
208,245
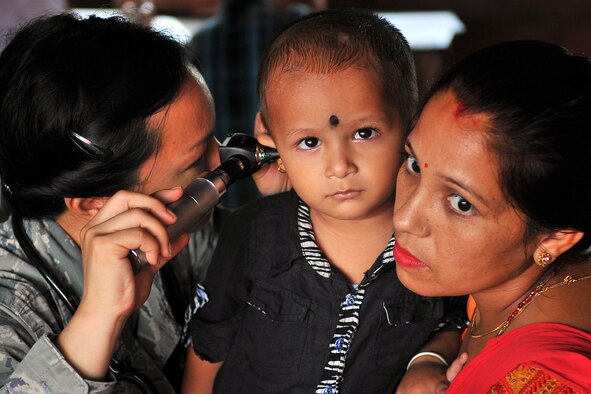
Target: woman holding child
x,y
492,201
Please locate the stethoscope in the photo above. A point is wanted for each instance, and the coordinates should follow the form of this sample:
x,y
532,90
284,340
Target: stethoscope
x,y
126,374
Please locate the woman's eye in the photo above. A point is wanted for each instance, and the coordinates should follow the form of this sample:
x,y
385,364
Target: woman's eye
x,y
460,204
199,163
412,165
309,143
365,134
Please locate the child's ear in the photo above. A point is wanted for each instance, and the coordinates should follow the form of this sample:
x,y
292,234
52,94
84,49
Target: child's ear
x,y
554,244
261,133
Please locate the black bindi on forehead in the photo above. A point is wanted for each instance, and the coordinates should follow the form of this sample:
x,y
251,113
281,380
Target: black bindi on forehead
x,y
333,120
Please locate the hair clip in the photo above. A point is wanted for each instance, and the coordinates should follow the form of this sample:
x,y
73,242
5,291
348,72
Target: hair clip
x,y
5,186
90,148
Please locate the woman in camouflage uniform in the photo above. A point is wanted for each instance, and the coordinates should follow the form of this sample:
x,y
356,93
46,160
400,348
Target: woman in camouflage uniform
x,y
88,108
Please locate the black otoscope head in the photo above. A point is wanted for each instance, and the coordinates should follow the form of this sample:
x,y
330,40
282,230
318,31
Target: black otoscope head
x,y
248,152
240,155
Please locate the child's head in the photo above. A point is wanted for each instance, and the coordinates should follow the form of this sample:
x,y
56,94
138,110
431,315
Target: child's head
x,y
335,40
337,90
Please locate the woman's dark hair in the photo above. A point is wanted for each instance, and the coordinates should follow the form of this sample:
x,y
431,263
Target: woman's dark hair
x,y
62,77
538,97
334,40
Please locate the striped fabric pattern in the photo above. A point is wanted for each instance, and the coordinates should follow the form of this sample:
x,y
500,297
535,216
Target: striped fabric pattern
x,y
349,313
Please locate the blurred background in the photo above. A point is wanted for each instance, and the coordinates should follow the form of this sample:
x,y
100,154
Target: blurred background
x,y
566,23
226,37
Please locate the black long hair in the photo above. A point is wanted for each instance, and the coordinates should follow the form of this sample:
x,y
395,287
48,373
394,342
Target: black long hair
x,y
538,96
62,77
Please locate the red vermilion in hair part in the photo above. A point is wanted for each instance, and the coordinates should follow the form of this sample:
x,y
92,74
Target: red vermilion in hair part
x,y
460,109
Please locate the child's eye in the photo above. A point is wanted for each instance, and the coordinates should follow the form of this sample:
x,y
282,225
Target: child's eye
x,y
365,133
412,165
460,204
309,143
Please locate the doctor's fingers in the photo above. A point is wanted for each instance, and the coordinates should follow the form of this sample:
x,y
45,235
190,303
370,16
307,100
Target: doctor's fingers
x,y
140,227
125,200
106,249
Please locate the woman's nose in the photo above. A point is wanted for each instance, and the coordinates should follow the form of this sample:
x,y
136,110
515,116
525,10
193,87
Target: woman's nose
x,y
410,209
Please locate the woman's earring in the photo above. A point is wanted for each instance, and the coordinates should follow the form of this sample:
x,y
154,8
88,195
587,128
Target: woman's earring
x,y
544,259
280,166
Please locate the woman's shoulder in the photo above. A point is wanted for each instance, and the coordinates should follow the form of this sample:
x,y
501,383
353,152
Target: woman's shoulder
x,y
26,311
550,352
25,300
565,300
535,379
553,356
548,336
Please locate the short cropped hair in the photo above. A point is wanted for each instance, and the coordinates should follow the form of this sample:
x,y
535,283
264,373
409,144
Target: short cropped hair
x,y
334,40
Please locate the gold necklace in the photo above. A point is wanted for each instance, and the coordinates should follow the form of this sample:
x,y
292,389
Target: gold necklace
x,y
539,289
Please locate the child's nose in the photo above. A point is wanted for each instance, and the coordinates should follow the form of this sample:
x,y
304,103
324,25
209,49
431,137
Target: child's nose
x,y
339,164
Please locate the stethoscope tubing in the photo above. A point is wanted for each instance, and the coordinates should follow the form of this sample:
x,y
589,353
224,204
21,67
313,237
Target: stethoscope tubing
x,y
129,374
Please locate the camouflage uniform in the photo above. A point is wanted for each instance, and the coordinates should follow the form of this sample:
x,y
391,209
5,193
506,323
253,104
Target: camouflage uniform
x,y
32,314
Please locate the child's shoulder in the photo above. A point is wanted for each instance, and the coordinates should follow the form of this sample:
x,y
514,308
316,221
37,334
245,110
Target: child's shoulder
x,y
279,208
275,204
265,227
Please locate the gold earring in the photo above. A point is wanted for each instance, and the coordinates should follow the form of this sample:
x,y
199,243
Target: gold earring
x,y
280,166
544,259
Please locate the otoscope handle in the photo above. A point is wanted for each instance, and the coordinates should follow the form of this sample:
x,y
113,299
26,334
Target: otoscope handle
x,y
241,156
198,199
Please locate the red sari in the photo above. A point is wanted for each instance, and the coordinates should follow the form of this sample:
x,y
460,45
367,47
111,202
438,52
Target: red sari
x,y
543,357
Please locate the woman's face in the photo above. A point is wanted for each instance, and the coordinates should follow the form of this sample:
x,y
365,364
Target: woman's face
x,y
456,233
188,148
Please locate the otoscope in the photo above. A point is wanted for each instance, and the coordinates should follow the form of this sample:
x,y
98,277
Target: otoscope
x,y
241,155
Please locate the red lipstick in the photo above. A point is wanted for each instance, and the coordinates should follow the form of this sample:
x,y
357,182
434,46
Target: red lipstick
x,y
405,259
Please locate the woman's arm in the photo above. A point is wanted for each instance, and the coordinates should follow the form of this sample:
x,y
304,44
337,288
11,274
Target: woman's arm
x,y
428,373
111,291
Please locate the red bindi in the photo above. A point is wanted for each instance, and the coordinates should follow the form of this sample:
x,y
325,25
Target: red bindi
x,y
460,109
426,165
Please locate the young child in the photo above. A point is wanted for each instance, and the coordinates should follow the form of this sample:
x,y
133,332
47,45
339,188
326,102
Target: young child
x,y
303,290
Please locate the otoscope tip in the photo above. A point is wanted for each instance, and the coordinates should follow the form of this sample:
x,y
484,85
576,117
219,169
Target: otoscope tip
x,y
267,155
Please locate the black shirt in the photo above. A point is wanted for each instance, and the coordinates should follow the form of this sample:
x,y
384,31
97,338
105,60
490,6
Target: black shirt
x,y
280,322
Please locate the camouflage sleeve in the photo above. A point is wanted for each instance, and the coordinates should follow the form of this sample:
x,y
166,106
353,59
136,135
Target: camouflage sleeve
x,y
44,370
29,360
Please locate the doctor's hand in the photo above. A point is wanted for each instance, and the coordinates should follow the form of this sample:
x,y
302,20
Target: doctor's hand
x,y
111,291
127,221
